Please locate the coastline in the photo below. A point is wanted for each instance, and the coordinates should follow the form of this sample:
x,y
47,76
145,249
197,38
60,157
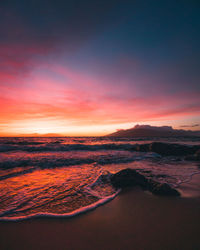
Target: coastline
x,y
133,220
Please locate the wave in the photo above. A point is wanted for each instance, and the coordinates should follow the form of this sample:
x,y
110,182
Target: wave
x,y
164,149
66,147
66,215
101,186
18,173
101,181
50,162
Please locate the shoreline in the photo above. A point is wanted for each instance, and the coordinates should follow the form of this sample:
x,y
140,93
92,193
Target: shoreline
x,y
133,220
189,189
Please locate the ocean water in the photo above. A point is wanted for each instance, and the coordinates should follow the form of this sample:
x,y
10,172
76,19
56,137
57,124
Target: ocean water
x,y
63,176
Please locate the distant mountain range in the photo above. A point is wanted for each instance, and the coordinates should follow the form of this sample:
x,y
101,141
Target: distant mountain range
x,y
152,131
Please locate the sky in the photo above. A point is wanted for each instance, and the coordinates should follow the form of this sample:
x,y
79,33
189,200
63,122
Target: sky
x,y
82,68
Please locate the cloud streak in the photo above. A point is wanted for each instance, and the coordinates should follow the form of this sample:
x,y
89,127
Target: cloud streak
x,y
190,126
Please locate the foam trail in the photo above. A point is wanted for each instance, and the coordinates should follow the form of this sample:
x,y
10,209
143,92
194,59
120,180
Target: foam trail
x,y
65,215
187,180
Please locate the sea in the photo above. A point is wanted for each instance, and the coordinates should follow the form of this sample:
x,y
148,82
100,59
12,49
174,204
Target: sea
x,y
63,177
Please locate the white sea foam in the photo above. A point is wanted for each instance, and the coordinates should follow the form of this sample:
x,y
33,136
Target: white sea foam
x,y
66,215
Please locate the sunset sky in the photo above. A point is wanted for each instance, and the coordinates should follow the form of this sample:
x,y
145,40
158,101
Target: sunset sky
x,y
91,67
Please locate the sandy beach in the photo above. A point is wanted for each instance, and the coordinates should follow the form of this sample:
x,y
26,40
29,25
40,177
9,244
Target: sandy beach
x,y
133,220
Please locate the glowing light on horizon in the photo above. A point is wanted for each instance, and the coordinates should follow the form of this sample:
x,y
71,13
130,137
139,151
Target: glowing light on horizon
x,y
43,127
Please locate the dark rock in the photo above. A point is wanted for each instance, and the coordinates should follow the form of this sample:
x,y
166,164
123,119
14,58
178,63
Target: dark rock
x,y
129,177
162,189
167,149
194,157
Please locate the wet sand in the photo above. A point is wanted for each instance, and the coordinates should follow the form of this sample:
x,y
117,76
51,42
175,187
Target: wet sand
x,y
133,220
191,188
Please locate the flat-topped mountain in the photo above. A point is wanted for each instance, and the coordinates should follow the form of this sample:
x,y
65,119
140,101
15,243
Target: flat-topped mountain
x,y
152,131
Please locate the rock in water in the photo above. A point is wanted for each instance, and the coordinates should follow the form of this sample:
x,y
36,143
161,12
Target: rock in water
x,y
130,177
162,189
195,157
167,149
